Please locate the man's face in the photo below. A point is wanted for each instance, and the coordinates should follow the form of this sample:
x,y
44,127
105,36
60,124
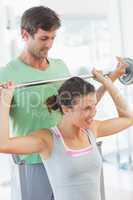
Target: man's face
x,y
40,43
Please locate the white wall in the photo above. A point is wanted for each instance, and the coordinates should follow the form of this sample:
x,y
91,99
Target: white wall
x,y
119,13
94,7
3,45
114,20
127,26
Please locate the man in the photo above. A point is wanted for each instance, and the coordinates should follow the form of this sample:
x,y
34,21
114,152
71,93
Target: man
x,y
29,113
38,28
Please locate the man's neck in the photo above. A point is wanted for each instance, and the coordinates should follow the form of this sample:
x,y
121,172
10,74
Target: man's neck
x,y
34,62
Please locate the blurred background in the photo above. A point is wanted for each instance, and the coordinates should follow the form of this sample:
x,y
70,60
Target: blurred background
x,y
92,34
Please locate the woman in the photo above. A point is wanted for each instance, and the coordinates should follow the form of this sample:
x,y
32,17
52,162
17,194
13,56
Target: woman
x,y
69,151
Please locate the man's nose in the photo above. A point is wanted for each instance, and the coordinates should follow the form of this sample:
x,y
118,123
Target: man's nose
x,y
48,44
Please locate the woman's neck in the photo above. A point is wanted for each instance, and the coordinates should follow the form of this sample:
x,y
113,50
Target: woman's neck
x,y
68,130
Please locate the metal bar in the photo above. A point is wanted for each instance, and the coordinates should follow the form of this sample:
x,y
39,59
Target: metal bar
x,y
102,184
43,82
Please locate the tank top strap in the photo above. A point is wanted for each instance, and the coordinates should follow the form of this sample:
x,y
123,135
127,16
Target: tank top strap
x,y
56,136
91,136
54,131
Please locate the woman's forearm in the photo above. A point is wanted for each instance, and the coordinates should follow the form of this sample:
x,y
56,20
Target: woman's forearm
x,y
119,71
6,94
33,143
4,122
120,103
102,89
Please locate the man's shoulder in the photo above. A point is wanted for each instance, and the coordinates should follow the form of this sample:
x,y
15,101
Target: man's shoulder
x,y
9,65
60,65
7,71
12,63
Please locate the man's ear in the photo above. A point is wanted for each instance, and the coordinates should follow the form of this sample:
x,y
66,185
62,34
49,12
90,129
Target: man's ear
x,y
25,35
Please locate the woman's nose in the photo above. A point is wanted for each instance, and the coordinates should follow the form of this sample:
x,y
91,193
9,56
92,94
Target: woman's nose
x,y
93,113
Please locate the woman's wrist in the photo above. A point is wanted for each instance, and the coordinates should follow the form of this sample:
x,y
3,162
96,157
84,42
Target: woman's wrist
x,y
107,82
114,75
5,101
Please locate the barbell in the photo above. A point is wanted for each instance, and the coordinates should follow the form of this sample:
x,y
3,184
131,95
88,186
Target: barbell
x,y
125,79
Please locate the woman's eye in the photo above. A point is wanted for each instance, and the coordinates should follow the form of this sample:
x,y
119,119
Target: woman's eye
x,y
88,108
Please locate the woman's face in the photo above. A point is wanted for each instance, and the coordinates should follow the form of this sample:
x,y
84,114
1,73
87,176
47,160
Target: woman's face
x,y
83,112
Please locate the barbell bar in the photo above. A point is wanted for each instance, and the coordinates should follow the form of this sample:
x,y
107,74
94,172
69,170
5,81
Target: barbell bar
x,y
125,79
43,82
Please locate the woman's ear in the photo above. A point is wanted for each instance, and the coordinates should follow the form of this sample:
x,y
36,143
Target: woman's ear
x,y
66,109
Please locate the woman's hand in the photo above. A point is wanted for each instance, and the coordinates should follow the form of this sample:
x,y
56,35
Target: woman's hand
x,y
118,72
121,66
6,93
98,76
120,69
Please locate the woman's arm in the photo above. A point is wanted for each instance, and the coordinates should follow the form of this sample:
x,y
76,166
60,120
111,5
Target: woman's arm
x,y
119,71
112,126
34,143
125,119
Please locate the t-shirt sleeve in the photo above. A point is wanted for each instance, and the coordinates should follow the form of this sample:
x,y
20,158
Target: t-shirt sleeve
x,y
65,69
2,74
5,74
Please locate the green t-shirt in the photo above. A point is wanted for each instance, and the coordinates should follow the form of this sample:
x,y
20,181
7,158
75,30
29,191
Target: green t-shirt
x,y
29,112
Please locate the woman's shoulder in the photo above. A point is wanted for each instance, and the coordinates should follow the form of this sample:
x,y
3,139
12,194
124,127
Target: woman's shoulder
x,y
43,134
94,127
